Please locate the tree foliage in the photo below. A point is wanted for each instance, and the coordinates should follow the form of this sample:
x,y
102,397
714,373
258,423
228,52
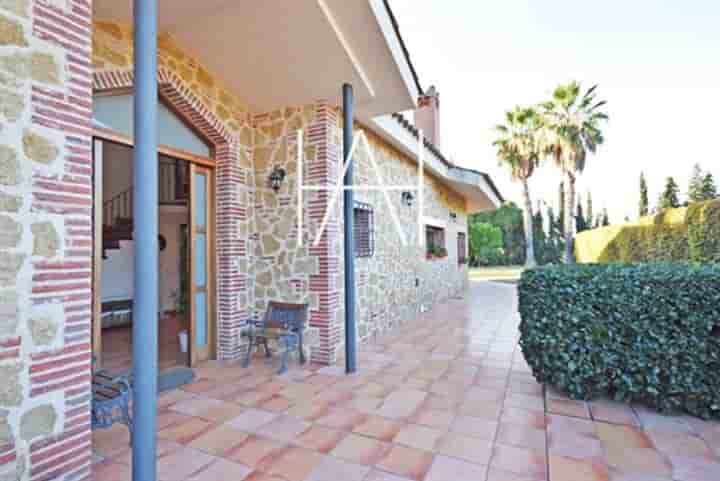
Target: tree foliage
x,y
644,203
669,197
486,243
509,219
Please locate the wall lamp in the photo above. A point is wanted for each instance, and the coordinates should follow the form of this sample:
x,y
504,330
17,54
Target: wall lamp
x,y
407,198
453,216
276,178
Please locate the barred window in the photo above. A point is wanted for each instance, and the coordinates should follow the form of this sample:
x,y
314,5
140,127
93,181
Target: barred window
x,y
435,242
462,248
363,230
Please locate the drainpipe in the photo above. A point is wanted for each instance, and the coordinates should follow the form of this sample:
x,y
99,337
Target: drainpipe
x,y
145,224
349,244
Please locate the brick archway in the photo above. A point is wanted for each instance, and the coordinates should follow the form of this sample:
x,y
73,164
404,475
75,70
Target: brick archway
x,y
231,282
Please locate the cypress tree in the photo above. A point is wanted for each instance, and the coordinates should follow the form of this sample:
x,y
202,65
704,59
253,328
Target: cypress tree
x,y
580,224
589,211
695,188
605,218
669,196
709,188
561,207
644,205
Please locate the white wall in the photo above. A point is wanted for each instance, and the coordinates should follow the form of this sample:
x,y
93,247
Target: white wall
x,y
117,269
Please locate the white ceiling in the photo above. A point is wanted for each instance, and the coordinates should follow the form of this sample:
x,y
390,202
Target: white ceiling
x,y
277,53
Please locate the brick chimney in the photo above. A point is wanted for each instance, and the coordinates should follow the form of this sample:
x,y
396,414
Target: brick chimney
x,y
427,115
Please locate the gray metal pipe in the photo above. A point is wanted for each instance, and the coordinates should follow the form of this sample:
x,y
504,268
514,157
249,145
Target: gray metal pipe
x,y
349,243
145,223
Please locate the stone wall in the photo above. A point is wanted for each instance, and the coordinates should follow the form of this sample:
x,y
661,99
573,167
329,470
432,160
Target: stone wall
x,y
397,281
45,239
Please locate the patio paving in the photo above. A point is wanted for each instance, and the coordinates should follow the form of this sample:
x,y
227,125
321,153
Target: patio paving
x,y
448,397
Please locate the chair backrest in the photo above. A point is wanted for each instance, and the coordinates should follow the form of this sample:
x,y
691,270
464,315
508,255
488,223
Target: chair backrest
x,y
286,315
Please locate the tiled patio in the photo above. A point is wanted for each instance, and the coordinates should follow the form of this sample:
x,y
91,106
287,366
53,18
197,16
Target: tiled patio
x,y
448,398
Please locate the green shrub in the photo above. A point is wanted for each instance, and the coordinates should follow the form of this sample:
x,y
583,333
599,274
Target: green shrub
x,y
674,235
642,333
703,220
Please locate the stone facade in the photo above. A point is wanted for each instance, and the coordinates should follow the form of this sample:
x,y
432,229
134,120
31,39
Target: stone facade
x,y
45,239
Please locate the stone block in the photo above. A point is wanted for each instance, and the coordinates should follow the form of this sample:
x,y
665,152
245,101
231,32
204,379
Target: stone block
x,y
11,105
43,330
9,267
8,313
44,68
10,203
11,32
9,166
46,241
38,422
10,232
11,393
270,245
18,7
38,148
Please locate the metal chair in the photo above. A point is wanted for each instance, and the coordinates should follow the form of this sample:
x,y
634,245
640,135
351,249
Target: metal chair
x,y
111,401
283,322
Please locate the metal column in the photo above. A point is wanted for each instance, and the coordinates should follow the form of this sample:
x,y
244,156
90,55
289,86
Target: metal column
x,y
349,244
145,222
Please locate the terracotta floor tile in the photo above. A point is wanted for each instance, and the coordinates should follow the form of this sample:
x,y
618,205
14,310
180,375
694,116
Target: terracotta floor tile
x,y
319,438
617,436
308,410
222,469
479,394
490,411
168,418
253,450
637,460
378,427
360,449
444,468
402,404
535,419
695,468
343,419
470,449
219,413
523,401
408,462
283,428
260,476
495,474
679,444
109,471
435,418
276,404
575,446
377,475
251,420
200,386
187,431
563,407
219,440
333,469
293,464
182,463
475,427
417,436
522,461
613,412
192,407
521,436
568,425
568,469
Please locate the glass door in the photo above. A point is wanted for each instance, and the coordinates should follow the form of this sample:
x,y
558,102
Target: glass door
x,y
202,258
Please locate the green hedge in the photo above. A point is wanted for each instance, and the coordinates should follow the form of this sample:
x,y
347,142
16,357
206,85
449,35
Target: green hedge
x,y
675,235
703,220
643,333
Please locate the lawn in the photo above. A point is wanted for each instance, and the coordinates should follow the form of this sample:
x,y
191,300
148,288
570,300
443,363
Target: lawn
x,y
500,273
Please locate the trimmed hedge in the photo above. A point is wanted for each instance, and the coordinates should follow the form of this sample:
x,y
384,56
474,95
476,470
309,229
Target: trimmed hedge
x,y
638,333
674,235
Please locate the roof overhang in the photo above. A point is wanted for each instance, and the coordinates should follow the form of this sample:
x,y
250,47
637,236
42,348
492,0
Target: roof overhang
x,y
279,53
476,187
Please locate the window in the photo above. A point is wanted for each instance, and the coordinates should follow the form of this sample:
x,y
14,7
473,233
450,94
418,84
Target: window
x,y
435,242
363,230
461,248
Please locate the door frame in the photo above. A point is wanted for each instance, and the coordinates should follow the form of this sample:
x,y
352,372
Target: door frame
x,y
209,351
99,137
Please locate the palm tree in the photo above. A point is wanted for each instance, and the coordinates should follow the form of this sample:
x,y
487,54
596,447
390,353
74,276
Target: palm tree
x,y
518,147
572,129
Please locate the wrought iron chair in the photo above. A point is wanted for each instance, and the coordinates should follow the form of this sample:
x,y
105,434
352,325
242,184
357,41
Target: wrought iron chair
x,y
283,322
111,401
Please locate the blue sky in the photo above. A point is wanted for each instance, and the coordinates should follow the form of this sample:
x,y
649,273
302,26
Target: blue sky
x,y
657,64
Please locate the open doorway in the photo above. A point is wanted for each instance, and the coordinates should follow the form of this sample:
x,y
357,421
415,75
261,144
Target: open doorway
x,y
186,198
